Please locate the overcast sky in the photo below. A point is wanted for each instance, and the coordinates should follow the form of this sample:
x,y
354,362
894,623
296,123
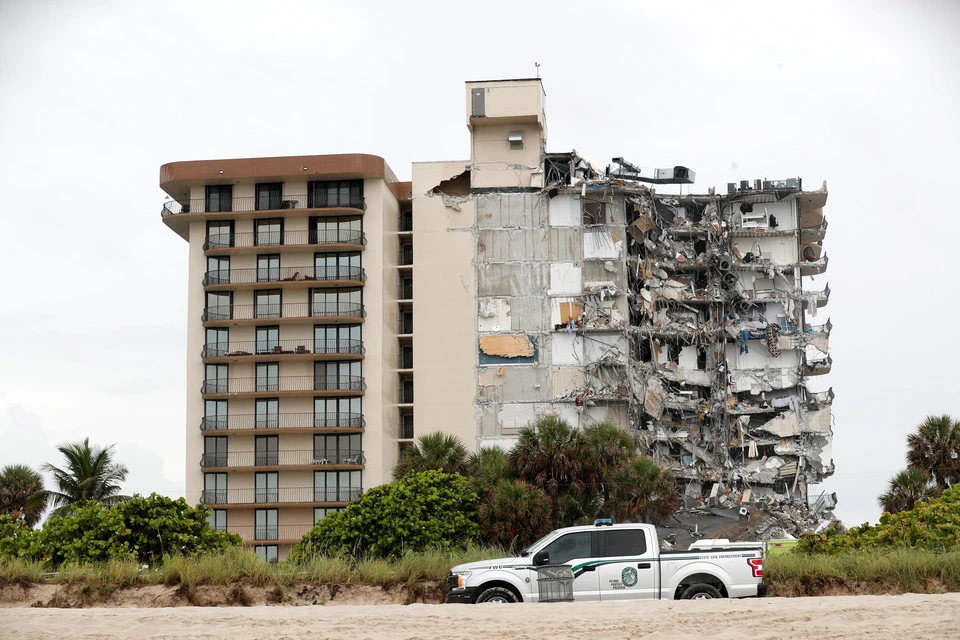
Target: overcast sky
x,y
95,96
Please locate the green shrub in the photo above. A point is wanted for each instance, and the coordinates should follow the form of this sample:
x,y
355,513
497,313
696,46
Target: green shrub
x,y
141,529
420,511
931,525
14,535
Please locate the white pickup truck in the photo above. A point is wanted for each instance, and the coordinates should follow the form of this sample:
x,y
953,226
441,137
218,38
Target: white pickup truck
x,y
613,562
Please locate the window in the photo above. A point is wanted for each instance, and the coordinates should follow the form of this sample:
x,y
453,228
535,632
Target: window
x,y
337,375
268,268
219,198
215,414
622,542
268,232
406,321
343,230
214,488
336,302
594,212
217,342
406,426
214,451
336,193
570,546
337,412
267,552
266,487
267,414
406,356
319,513
406,288
219,306
268,196
337,266
337,339
218,519
219,234
406,391
216,379
266,524
338,449
336,486
267,303
268,376
267,450
218,270
268,339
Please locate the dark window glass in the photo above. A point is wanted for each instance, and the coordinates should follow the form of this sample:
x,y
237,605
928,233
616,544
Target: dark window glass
x,y
268,196
336,193
219,198
624,542
570,546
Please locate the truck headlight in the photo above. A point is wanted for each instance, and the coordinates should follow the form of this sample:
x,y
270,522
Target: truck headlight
x,y
461,577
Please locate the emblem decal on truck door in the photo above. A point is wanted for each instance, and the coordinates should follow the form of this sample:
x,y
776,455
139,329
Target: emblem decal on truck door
x,y
628,576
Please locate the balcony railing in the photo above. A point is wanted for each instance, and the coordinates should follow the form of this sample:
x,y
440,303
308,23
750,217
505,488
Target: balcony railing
x,y
284,274
283,421
406,222
405,360
253,203
405,290
406,430
278,384
283,495
406,395
282,347
284,310
405,326
283,458
258,532
299,237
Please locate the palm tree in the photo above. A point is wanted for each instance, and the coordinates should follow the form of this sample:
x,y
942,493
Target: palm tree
x,y
487,467
22,495
514,513
551,455
935,449
433,451
906,488
90,474
608,448
643,491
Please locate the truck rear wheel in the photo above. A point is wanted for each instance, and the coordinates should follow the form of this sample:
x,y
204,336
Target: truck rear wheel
x,y
499,595
701,591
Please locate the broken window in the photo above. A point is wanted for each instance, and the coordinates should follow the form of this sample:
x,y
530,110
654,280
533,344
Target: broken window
x,y
594,212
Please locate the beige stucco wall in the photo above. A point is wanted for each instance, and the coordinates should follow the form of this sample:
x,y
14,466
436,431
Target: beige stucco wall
x,y
445,347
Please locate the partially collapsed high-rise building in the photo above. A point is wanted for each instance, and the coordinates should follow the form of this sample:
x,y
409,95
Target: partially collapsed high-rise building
x,y
337,313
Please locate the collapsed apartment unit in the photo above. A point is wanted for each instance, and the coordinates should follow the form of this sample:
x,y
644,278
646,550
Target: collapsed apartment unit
x,y
687,319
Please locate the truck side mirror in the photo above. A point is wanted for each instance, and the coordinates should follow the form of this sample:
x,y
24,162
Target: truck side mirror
x,y
541,558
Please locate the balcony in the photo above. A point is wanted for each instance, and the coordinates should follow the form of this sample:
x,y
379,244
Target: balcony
x,y
319,312
351,238
290,422
344,275
286,459
817,366
406,427
286,385
305,496
406,221
814,267
405,290
289,533
252,204
269,349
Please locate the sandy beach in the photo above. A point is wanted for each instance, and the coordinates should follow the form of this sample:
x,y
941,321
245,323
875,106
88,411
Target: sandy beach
x,y
910,616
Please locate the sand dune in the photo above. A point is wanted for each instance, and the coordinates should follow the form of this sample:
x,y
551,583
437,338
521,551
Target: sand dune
x,y
903,617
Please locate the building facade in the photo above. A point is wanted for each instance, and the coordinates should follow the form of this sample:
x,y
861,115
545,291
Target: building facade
x,y
292,335
544,287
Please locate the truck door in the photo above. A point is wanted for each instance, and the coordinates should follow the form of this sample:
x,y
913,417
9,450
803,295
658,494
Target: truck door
x,y
578,550
628,568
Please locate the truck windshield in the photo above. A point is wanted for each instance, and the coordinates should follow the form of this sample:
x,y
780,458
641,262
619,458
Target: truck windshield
x,y
537,544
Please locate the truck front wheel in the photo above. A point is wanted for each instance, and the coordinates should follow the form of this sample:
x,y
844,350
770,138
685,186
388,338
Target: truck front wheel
x,y
499,595
701,591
